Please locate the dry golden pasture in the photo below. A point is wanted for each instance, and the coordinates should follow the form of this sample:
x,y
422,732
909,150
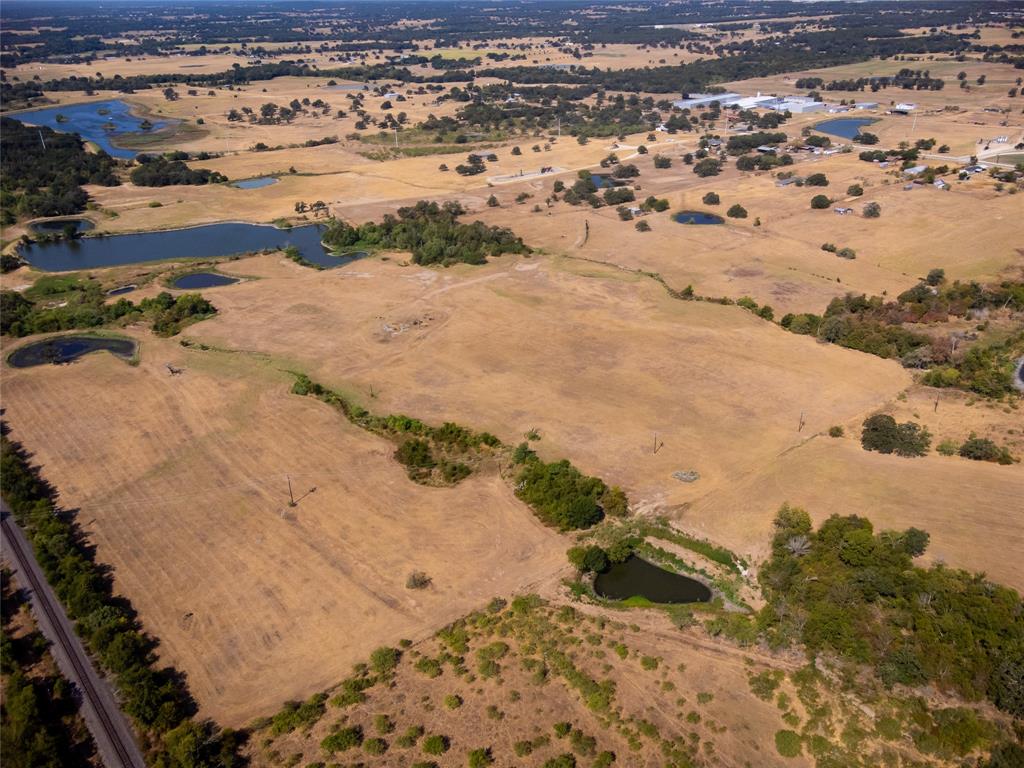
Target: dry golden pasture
x,y
181,485
781,262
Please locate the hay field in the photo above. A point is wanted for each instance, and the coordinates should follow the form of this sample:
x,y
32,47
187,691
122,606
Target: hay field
x,y
180,482
597,359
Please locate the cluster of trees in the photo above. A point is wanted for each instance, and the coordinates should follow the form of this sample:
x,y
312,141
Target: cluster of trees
x,y
741,143
844,588
162,172
431,232
563,496
85,306
881,433
763,161
41,171
156,699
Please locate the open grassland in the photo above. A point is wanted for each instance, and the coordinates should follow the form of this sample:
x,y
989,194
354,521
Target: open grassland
x,y
181,484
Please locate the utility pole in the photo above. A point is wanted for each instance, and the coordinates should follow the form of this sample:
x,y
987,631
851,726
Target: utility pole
x,y
801,427
291,497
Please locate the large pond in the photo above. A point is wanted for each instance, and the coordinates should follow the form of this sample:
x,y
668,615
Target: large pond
x,y
844,127
697,217
262,181
64,349
205,242
98,121
602,181
635,577
196,280
51,226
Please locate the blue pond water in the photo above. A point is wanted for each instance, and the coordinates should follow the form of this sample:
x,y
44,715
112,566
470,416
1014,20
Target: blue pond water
x,y
205,242
86,120
262,181
697,217
57,225
602,181
202,280
637,577
844,127
64,349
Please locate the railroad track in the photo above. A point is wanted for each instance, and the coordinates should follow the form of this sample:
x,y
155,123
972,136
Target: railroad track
x,y
109,729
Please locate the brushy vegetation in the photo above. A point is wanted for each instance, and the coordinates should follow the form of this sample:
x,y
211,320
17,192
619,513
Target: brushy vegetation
x,y
562,495
558,492
58,303
844,588
431,232
431,455
156,699
876,326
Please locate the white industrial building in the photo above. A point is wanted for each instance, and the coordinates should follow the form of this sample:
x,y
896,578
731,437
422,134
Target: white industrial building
x,y
697,100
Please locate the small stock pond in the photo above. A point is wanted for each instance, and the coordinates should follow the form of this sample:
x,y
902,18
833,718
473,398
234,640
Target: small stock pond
x,y
697,217
64,349
635,577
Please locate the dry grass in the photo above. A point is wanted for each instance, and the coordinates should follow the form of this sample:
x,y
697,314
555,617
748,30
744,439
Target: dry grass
x,y
181,484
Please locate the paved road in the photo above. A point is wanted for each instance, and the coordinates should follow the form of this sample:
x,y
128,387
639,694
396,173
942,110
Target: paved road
x,y
109,727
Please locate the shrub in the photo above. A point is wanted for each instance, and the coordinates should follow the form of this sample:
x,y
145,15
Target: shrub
x,y
787,743
375,746
816,180
436,744
453,701
562,729
643,226
836,431
855,190
480,758
590,559
660,161
872,211
736,211
417,580
492,202
384,660
881,433
711,198
820,202
983,449
344,739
